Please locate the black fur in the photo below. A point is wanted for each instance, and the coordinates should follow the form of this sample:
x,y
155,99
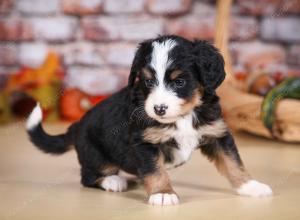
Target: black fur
x,y
210,65
111,132
56,144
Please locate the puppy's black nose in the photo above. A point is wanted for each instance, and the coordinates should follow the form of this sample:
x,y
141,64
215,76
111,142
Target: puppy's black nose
x,y
160,109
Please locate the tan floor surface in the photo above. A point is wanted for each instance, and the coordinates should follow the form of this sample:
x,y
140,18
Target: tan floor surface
x,y
34,185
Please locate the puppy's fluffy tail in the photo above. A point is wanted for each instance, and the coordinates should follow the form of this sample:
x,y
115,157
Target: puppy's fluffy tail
x,y
54,144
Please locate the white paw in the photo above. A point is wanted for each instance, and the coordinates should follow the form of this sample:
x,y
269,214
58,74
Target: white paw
x,y
254,188
163,199
114,183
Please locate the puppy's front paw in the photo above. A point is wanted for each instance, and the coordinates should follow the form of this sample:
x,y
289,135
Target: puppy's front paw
x,y
114,183
163,199
254,188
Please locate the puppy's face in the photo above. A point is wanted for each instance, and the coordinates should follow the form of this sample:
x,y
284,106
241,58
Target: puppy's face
x,y
169,77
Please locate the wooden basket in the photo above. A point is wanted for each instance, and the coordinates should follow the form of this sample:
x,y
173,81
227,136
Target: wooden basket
x,y
242,110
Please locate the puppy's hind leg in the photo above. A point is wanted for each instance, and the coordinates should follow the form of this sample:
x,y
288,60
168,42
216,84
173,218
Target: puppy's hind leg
x,y
111,181
105,177
96,172
108,181
224,154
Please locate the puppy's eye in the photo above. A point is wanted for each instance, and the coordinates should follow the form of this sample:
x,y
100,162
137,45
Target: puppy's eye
x,y
149,83
179,83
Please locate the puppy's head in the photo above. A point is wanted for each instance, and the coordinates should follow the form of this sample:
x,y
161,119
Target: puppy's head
x,y
173,74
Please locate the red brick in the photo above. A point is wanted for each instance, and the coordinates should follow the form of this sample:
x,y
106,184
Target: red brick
x,y
82,7
94,81
124,72
257,7
289,6
294,55
123,6
15,29
119,54
192,26
5,6
284,29
256,53
169,7
121,27
203,9
274,8
243,28
8,54
54,29
38,7
33,54
85,54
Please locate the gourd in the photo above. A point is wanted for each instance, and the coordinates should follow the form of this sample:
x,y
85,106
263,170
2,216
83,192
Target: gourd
x,y
289,88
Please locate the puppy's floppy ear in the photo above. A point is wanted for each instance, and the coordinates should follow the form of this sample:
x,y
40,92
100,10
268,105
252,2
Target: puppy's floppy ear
x,y
139,61
209,65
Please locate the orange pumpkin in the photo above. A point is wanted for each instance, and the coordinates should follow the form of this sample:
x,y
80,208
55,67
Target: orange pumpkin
x,y
75,103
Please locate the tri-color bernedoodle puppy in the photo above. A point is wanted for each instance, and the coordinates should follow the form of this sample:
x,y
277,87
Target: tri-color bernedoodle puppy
x,y
168,110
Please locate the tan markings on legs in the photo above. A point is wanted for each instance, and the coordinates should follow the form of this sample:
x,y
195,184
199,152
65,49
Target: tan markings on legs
x,y
159,181
227,166
99,181
109,169
110,180
106,170
112,183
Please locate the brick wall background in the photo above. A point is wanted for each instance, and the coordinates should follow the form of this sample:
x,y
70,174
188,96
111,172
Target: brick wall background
x,y
97,38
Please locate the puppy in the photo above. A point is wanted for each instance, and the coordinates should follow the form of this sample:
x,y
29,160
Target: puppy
x,y
168,110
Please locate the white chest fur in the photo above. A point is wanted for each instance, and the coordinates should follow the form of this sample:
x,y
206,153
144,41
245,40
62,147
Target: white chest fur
x,y
185,135
187,139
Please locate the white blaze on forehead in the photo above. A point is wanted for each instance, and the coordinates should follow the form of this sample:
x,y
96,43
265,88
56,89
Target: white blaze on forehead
x,y
160,57
160,61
